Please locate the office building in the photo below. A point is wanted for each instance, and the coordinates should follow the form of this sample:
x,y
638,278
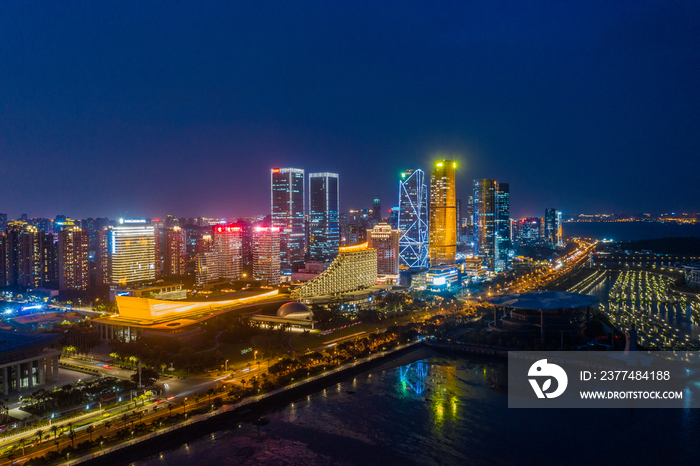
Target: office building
x,y
132,251
3,223
528,230
443,221
324,231
73,259
385,241
552,227
288,209
394,217
413,220
266,254
377,209
458,216
502,226
228,246
485,221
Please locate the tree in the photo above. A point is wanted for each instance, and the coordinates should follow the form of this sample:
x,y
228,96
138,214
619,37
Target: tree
x,y
210,392
184,406
170,407
72,435
108,424
39,435
90,430
57,441
54,430
124,418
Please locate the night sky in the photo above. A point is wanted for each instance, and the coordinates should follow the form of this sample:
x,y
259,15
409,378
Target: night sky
x,y
153,108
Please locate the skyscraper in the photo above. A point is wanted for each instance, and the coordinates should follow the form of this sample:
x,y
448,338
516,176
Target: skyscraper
x,y
228,245
413,220
266,254
30,256
3,223
287,211
502,227
552,227
73,259
324,230
171,251
377,209
443,222
132,250
386,241
458,215
485,221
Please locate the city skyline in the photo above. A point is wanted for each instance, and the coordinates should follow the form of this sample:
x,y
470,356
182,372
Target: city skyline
x,y
181,112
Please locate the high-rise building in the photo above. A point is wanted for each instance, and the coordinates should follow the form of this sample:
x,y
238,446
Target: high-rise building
x,y
485,221
73,259
103,257
458,214
228,245
206,269
528,230
413,220
266,254
29,257
552,227
377,209
288,210
443,222
385,241
324,232
502,227
132,250
394,217
172,252
3,223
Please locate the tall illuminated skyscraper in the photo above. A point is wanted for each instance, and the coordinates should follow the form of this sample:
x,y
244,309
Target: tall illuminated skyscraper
x,y
502,227
266,254
287,211
228,245
413,220
324,228
132,247
552,227
443,215
485,221
386,241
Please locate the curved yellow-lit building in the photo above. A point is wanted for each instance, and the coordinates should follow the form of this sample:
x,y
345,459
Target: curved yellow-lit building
x,y
354,269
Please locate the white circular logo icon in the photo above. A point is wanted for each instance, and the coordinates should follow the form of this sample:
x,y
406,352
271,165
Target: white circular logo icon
x,y
551,371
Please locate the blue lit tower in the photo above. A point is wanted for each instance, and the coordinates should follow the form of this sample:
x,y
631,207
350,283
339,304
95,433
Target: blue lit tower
x,y
413,220
288,209
324,228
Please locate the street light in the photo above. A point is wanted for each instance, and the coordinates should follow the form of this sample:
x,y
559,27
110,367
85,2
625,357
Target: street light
x,y
227,365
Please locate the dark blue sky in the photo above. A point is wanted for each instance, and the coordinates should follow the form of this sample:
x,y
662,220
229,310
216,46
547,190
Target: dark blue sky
x,y
151,108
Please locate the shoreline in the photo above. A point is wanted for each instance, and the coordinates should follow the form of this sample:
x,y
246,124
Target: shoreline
x,y
247,411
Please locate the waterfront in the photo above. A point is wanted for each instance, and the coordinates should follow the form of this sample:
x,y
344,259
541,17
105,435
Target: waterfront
x,y
643,298
430,408
629,231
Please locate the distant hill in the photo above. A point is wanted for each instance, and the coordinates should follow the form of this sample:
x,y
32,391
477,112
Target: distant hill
x,y
682,246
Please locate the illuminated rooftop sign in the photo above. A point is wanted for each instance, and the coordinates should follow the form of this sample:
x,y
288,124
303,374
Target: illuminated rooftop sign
x,y
132,220
228,228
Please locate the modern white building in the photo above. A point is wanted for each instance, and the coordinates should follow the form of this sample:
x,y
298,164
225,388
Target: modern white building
x,y
266,254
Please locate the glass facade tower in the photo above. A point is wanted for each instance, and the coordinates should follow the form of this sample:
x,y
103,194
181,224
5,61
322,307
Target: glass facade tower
x,y
443,214
413,220
288,211
324,228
